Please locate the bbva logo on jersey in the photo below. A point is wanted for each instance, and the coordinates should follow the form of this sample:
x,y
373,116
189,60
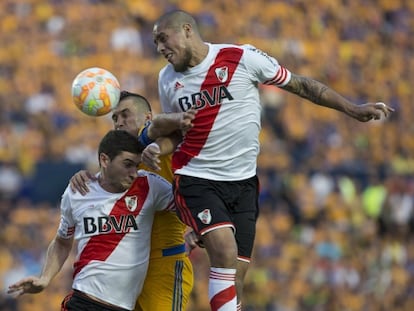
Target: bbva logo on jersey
x,y
108,224
199,100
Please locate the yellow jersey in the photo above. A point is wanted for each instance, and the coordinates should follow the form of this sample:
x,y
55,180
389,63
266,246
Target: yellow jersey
x,y
165,242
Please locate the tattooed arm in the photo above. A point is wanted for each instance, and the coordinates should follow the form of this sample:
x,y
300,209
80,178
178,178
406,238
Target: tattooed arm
x,y
322,95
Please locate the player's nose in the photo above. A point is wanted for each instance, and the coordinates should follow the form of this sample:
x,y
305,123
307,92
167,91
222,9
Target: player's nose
x,y
160,48
133,173
118,125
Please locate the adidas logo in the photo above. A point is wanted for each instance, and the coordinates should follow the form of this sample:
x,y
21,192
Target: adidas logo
x,y
178,85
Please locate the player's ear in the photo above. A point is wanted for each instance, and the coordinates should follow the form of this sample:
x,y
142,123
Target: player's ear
x,y
148,117
103,160
187,30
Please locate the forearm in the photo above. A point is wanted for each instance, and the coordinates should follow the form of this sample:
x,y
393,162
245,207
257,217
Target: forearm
x,y
167,123
168,144
319,94
57,253
164,124
162,146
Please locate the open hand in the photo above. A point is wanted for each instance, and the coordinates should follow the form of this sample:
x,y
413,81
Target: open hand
x,y
79,181
29,285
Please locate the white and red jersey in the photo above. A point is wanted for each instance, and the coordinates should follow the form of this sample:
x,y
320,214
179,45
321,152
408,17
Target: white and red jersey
x,y
113,232
224,142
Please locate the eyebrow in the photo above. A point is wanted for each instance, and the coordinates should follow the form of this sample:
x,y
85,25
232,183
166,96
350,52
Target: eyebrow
x,y
158,35
122,111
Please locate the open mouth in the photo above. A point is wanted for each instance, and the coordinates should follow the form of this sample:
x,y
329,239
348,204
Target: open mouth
x,y
169,56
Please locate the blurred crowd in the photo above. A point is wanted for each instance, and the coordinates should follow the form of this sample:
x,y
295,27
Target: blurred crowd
x,y
337,196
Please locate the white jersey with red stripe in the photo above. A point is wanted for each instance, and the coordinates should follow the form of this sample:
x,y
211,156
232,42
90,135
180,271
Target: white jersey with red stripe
x,y
113,232
224,142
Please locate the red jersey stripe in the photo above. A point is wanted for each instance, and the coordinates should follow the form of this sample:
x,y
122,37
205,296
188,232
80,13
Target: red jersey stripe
x,y
182,208
195,138
99,247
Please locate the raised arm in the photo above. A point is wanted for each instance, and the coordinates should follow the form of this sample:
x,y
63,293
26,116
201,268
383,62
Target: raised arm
x,y
165,132
168,144
165,124
322,95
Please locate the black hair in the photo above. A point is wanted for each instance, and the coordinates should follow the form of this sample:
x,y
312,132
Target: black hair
x,y
117,141
138,99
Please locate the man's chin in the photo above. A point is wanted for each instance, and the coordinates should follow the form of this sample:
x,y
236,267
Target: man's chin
x,y
126,185
179,67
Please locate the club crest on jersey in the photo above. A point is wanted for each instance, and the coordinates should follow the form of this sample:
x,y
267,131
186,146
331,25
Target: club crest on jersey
x,y
131,202
205,216
222,74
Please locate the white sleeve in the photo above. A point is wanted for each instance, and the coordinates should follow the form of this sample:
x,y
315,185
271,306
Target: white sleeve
x,y
264,68
161,191
67,225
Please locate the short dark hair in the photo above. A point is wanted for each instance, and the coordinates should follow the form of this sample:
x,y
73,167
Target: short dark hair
x,y
176,18
138,99
117,141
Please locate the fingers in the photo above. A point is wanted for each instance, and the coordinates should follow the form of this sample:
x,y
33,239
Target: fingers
x,y
16,292
187,120
200,244
150,156
78,182
21,287
374,111
193,240
189,248
386,110
13,289
30,285
380,104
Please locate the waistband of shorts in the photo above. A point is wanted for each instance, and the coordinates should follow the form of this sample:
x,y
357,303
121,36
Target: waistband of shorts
x,y
175,250
82,295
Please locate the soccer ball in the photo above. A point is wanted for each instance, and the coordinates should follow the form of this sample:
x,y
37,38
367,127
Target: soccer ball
x,y
95,91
